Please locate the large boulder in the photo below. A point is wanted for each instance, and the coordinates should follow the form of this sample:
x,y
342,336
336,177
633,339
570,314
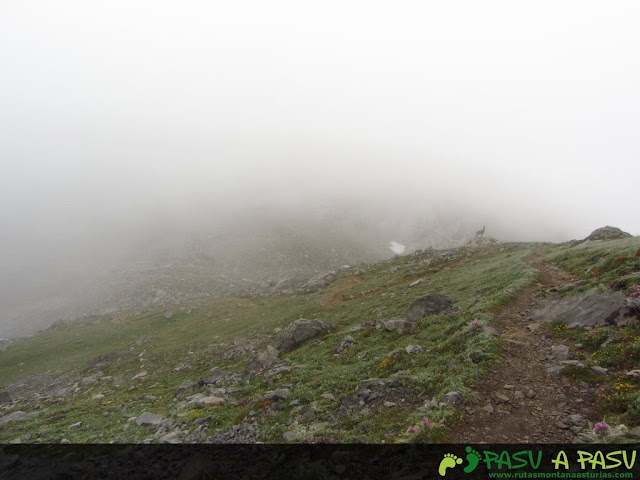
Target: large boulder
x,y
586,310
431,304
299,331
607,233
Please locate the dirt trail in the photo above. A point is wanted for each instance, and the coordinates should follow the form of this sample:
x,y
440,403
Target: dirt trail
x,y
519,401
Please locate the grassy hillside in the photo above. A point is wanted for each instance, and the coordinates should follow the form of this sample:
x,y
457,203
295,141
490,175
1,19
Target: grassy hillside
x,y
105,356
607,266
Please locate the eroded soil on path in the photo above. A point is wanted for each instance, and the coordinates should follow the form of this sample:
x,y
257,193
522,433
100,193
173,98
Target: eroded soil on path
x,y
519,401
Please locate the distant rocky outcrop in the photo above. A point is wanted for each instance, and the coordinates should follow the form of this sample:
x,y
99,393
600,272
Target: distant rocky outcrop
x,y
482,241
607,233
299,331
431,304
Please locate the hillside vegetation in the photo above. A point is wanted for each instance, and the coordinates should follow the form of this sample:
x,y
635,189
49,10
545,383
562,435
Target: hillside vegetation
x,y
186,366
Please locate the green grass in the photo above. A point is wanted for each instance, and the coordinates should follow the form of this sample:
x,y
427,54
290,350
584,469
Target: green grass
x,y
602,264
185,347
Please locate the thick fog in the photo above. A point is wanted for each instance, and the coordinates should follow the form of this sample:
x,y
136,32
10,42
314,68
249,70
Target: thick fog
x,y
130,129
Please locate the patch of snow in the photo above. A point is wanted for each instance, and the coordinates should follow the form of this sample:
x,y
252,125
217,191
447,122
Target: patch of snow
x,y
397,248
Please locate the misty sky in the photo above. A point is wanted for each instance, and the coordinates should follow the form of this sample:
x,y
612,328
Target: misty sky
x,y
120,117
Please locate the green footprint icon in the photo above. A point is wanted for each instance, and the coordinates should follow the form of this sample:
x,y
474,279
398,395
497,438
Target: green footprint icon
x,y
473,457
449,461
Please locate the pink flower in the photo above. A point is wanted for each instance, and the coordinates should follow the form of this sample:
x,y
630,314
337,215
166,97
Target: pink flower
x,y
426,421
602,427
412,430
475,323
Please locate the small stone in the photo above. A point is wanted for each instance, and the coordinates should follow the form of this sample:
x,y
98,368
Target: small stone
x,y
210,400
562,426
531,394
75,425
488,408
518,395
452,397
171,438
149,420
97,396
501,398
278,394
413,284
600,370
509,387
328,396
389,404
139,375
414,349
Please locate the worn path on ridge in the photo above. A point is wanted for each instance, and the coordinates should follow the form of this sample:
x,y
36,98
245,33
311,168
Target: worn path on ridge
x,y
518,401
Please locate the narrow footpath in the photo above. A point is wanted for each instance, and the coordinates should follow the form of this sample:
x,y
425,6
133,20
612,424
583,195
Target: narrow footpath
x,y
519,401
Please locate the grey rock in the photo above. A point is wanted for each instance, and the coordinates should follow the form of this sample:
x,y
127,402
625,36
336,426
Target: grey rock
x,y
217,375
431,304
413,284
500,397
576,419
185,388
307,417
328,396
292,436
414,349
139,375
400,325
208,400
171,438
586,310
278,394
561,352
15,417
261,361
299,331
633,373
4,343
276,371
488,408
320,281
344,344
607,233
168,315
600,370
452,397
147,419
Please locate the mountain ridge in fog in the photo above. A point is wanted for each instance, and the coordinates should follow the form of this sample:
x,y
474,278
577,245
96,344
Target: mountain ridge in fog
x,y
255,252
